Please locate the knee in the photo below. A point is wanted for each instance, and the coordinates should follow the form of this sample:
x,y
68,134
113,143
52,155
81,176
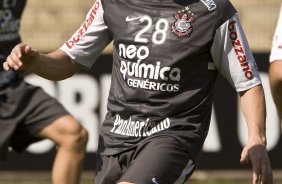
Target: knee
x,y
80,139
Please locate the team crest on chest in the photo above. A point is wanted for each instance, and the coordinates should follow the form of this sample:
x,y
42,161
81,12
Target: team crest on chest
x,y
183,23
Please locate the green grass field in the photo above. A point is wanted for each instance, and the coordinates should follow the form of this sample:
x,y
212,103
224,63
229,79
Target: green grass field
x,y
199,177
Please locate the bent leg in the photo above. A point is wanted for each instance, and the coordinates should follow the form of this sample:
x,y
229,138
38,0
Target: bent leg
x,y
71,138
275,81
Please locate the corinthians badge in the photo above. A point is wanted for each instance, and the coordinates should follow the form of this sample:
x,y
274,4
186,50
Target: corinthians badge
x,y
183,24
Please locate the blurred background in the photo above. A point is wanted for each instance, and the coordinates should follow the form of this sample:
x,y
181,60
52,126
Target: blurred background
x,y
48,24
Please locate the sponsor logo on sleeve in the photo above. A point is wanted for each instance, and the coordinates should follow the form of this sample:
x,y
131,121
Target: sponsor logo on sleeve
x,y
89,20
239,50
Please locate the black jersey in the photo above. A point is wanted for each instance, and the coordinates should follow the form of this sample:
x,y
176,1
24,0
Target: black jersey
x,y
10,15
166,56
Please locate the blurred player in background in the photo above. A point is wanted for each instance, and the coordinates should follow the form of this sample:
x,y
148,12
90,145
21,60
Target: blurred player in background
x,y
28,114
167,55
275,69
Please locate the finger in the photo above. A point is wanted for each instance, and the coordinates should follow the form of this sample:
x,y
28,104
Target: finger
x,y
19,49
261,165
256,178
15,58
244,157
267,176
30,51
6,66
12,62
257,175
256,167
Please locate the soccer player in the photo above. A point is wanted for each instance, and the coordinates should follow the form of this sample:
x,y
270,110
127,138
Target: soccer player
x,y
28,114
166,57
275,74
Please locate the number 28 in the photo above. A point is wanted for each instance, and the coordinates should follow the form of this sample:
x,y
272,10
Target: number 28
x,y
159,34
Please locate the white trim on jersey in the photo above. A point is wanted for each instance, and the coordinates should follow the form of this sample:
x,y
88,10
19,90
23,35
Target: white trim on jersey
x,y
233,57
276,50
186,171
87,43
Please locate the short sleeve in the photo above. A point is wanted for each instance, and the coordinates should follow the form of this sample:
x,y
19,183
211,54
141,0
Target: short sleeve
x,y
90,39
233,57
276,50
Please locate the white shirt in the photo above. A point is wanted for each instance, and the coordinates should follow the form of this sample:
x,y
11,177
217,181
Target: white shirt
x,y
276,50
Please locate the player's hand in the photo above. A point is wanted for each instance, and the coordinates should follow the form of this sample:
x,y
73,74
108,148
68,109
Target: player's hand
x,y
21,57
257,156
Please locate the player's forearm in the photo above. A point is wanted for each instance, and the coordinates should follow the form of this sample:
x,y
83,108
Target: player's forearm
x,y
55,66
253,107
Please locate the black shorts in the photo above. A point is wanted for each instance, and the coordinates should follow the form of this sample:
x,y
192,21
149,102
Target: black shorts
x,y
162,160
24,111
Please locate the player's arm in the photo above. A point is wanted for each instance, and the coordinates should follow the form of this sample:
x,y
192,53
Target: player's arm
x,y
234,60
53,66
81,50
253,108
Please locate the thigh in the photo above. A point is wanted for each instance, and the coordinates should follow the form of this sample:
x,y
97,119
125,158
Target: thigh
x,y
12,112
63,130
35,110
108,169
7,129
163,160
